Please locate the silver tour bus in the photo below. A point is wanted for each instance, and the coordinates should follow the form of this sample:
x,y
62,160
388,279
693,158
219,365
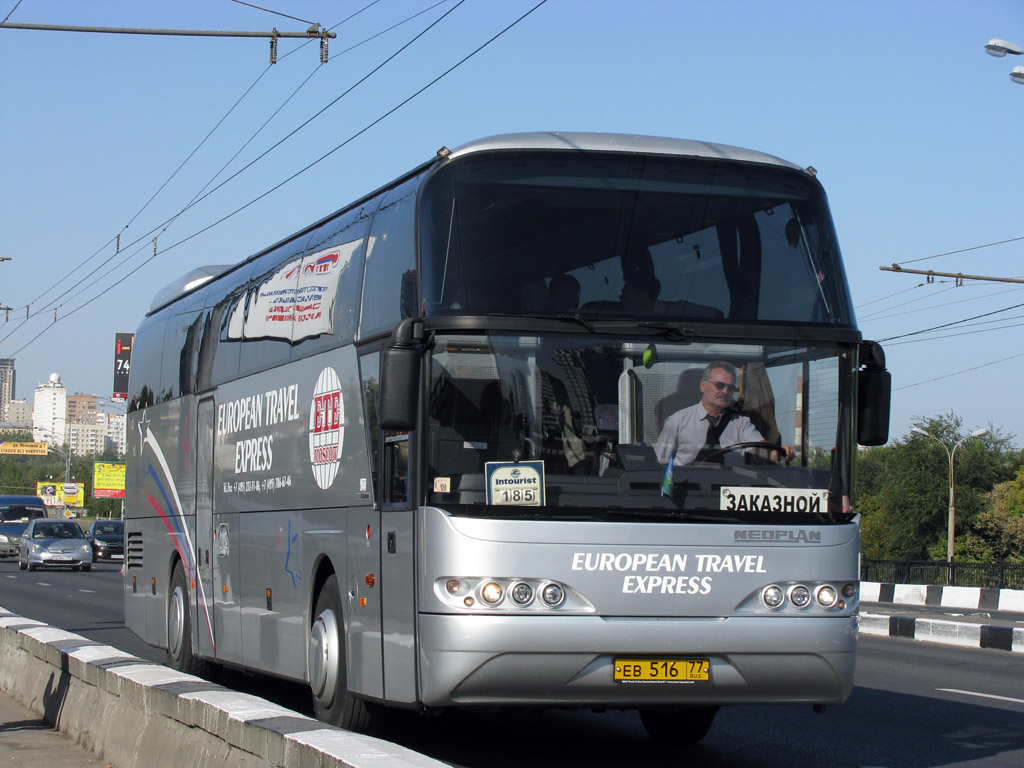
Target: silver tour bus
x,y
434,450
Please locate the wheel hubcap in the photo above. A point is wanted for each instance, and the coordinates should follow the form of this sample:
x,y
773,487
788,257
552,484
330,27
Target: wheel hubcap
x,y
175,621
323,657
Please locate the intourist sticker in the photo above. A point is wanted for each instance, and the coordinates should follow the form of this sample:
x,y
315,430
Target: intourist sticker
x,y
326,427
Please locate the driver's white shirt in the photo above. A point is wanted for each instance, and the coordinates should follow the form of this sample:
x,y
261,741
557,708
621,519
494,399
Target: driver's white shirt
x,y
685,431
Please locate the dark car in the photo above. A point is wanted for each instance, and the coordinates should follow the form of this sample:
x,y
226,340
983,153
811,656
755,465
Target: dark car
x,y
107,539
15,513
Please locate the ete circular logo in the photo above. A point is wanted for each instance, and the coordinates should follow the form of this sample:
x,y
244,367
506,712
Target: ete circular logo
x,y
326,427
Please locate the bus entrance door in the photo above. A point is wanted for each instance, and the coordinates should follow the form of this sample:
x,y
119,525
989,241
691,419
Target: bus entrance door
x,y
205,422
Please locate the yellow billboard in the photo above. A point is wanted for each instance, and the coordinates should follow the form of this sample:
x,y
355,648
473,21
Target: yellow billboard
x,y
107,480
61,494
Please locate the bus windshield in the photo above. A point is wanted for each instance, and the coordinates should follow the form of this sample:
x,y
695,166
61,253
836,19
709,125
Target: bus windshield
x,y
604,415
646,237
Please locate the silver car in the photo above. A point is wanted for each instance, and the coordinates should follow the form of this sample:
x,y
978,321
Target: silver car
x,y
54,542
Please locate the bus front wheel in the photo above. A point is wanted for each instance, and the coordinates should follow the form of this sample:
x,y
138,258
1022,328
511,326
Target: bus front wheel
x,y
332,702
687,725
179,628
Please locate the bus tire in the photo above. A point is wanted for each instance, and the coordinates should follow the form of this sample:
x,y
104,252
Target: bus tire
x,y
332,702
179,628
686,725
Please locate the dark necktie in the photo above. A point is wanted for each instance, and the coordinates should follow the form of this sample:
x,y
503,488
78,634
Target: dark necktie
x,y
711,442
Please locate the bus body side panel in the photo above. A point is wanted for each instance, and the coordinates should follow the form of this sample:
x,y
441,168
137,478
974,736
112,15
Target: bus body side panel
x,y
398,567
654,594
291,487
160,516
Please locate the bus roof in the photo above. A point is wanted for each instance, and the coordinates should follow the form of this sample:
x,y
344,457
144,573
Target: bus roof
x,y
619,142
539,140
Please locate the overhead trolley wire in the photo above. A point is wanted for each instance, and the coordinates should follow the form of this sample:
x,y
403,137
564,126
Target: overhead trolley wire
x,y
200,196
880,316
167,222
57,282
957,373
989,329
963,250
303,170
955,322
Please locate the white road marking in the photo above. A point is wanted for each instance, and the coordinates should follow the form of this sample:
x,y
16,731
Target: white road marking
x,y
981,695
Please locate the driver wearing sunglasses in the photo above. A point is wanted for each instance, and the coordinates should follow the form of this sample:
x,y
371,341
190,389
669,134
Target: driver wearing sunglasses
x,y
701,431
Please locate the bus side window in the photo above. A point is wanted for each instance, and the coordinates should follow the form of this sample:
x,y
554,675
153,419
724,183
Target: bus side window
x,y
389,279
219,349
181,338
396,467
369,367
344,235
148,359
260,345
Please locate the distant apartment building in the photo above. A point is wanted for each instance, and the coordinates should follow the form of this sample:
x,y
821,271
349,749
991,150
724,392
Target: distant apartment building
x,y
7,390
50,412
92,431
19,413
87,439
82,409
115,425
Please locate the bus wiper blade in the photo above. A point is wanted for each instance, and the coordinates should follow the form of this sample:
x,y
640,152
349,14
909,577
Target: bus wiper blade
x,y
661,514
576,318
673,331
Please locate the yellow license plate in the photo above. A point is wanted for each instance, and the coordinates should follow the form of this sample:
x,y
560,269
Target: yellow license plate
x,y
662,670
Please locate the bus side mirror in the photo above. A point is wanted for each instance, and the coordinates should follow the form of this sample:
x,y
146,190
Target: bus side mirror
x,y
400,377
874,386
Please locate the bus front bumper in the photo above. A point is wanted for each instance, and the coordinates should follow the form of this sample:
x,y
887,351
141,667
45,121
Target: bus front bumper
x,y
568,661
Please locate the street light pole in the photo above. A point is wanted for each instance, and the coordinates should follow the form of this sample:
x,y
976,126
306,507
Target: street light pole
x,y
951,525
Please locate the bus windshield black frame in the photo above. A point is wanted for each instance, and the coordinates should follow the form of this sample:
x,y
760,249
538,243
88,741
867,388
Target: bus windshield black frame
x,y
700,239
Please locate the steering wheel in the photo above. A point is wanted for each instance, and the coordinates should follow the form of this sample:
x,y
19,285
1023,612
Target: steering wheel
x,y
773,447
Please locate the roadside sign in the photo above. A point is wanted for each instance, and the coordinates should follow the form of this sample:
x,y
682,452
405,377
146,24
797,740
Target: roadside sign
x,y
23,449
107,480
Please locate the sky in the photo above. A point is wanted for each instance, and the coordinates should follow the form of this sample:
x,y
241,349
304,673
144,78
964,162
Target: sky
x,y
108,141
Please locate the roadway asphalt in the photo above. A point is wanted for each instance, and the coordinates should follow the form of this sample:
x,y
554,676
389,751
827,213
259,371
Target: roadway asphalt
x,y
28,740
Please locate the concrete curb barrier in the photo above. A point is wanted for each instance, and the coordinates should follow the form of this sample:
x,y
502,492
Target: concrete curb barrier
x,y
973,598
136,714
967,634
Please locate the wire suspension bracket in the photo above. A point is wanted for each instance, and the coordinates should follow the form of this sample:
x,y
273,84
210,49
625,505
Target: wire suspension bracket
x,y
312,33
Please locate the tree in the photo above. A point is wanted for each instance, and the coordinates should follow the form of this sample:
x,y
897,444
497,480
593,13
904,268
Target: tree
x,y
998,532
903,488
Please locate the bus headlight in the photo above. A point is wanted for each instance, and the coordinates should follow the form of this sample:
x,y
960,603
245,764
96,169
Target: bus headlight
x,y
491,593
773,596
800,596
522,593
552,595
509,594
826,596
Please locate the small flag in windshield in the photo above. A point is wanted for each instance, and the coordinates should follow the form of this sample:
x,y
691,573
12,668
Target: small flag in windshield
x,y
666,484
